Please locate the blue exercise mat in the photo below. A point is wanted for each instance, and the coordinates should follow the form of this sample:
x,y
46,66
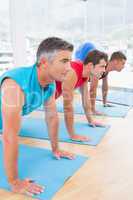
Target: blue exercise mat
x,y
36,128
119,97
39,165
113,111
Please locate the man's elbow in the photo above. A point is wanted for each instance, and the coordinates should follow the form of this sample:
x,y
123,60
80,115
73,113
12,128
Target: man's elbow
x,y
50,116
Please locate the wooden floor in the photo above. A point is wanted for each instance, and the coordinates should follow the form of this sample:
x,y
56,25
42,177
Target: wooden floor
x,y
108,175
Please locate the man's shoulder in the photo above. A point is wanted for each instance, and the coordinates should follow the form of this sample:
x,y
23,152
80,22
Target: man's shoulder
x,y
77,63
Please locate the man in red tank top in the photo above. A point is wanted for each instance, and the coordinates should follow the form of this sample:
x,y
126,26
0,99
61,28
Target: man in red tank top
x,y
116,63
78,77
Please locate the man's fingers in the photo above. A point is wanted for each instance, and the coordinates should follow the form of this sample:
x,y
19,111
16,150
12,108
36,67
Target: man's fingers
x,y
57,156
67,155
70,157
35,189
28,194
63,154
85,138
100,125
92,125
27,187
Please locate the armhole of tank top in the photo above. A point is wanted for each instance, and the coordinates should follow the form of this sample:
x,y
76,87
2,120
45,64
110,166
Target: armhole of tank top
x,y
16,83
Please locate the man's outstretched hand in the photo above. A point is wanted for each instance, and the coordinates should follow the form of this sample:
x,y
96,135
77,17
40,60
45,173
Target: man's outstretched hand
x,y
94,124
58,154
26,187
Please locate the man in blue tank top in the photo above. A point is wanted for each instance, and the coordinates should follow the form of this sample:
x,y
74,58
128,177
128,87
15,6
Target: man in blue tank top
x,y
23,90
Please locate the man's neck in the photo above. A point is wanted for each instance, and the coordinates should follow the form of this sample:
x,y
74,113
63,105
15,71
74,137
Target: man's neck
x,y
43,78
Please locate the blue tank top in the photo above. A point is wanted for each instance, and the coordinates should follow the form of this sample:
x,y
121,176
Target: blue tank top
x,y
26,78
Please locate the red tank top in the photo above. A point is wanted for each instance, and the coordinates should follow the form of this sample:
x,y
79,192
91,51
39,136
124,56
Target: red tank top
x,y
78,68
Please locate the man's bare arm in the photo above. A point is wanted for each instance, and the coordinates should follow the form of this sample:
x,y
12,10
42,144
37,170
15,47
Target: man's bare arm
x,y
12,102
87,105
105,89
93,92
53,126
68,90
52,121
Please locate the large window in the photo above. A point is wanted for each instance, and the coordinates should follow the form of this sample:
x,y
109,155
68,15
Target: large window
x,y
107,23
5,37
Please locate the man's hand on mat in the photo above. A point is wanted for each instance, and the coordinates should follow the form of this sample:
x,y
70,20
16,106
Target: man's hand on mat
x,y
94,123
63,154
26,187
80,138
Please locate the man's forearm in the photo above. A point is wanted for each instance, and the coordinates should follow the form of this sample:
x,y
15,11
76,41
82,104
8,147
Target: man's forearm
x,y
88,112
93,92
105,90
53,125
10,144
93,100
104,94
69,119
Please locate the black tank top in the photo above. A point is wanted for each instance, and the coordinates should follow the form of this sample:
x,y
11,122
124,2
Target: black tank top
x,y
103,75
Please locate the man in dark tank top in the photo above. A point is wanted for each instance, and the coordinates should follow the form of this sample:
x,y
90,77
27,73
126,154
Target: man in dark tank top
x,y
116,63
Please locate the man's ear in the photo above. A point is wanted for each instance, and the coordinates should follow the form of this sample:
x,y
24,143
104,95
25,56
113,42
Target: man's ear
x,y
91,66
43,63
115,62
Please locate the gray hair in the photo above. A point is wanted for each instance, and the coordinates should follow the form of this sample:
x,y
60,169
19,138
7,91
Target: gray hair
x,y
50,46
48,55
